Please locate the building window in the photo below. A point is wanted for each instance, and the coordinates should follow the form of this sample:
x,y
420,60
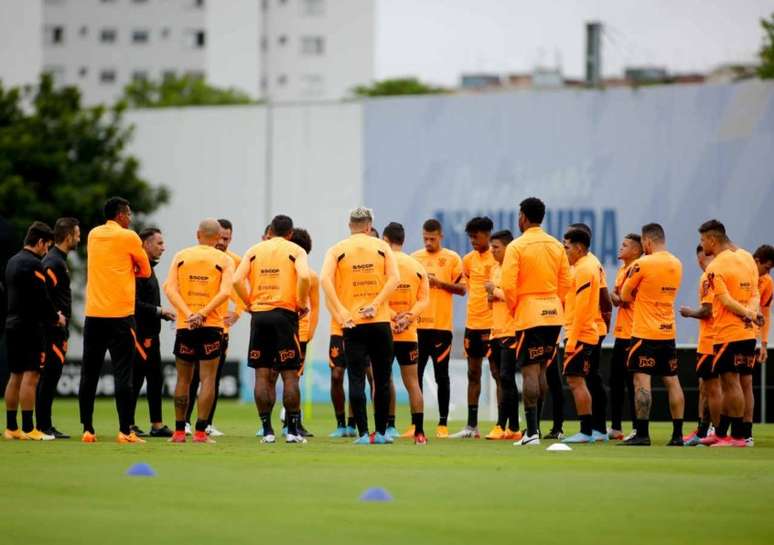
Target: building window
x,y
140,36
199,4
54,2
140,75
312,45
264,44
165,32
108,1
282,40
108,35
312,8
107,76
312,85
195,39
139,1
54,34
57,73
83,31
282,80
265,5
83,72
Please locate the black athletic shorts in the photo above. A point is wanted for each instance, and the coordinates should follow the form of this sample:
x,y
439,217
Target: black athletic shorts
x,y
536,345
500,349
26,348
274,340
704,366
656,358
200,344
578,362
476,342
336,357
734,357
406,352
435,344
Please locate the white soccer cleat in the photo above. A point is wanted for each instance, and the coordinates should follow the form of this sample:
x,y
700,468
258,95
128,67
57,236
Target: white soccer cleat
x,y
528,441
749,442
466,433
212,431
290,438
188,430
269,438
632,435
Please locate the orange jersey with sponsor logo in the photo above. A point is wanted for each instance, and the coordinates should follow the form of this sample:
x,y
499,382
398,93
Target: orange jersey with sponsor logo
x,y
706,332
360,275
625,315
503,320
654,280
271,274
115,259
536,279
729,273
239,306
601,325
305,323
581,301
766,291
446,266
477,269
199,270
409,289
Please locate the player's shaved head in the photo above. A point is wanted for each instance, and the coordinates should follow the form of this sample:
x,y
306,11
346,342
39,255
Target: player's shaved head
x,y
653,232
714,229
208,232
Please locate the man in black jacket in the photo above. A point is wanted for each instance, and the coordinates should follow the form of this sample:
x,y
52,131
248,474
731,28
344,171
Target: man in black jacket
x,y
30,313
148,313
67,236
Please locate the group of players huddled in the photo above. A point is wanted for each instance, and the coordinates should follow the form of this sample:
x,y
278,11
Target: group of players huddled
x,y
386,305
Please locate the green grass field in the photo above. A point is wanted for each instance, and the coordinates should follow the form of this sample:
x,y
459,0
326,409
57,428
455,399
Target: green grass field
x,y
449,492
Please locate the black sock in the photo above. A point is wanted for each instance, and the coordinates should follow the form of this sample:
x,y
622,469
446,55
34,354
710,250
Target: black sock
x,y
703,429
677,428
179,425
748,430
10,420
473,416
340,420
88,427
418,420
737,427
351,422
539,408
501,417
585,424
390,420
443,421
643,427
293,420
27,424
635,423
530,413
722,429
266,423
201,425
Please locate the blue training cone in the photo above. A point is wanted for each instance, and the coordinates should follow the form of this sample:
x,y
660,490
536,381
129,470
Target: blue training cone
x,y
141,470
376,494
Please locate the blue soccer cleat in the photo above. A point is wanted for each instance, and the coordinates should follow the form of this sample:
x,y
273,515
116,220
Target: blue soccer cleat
x,y
693,441
578,438
380,439
392,433
259,433
598,436
351,432
364,439
339,433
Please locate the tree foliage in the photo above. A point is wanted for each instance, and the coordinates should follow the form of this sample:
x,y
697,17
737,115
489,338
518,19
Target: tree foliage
x,y
175,91
60,159
399,86
766,68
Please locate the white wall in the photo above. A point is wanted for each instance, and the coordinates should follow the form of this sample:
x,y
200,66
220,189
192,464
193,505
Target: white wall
x,y
233,36
21,54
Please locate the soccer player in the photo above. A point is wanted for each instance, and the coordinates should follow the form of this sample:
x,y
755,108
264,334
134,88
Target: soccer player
x,y
277,293
535,280
149,313
434,329
764,260
359,274
620,379
115,260
502,360
30,314
198,282
476,268
67,236
231,318
704,348
652,285
580,315
408,300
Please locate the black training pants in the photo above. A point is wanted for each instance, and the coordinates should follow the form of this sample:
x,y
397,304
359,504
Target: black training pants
x,y
56,349
147,366
597,390
621,381
556,388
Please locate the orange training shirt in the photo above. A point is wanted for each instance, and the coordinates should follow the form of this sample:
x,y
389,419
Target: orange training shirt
x,y
706,332
503,320
766,290
730,273
656,279
582,299
601,325
271,274
477,269
305,323
405,296
625,315
446,266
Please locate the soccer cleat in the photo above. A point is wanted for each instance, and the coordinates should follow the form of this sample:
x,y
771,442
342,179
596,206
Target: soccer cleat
x,y
89,437
36,435
303,432
710,440
269,438
688,436
598,436
442,432
178,437
12,434
511,435
202,437
635,441
420,439
364,439
137,431
631,435
340,432
749,442
291,438
579,438
212,431
163,431
392,433
693,441
56,433
528,441
259,432
188,429
131,437
676,442
381,439
409,432
553,434
351,431
467,432
615,435
729,441
496,434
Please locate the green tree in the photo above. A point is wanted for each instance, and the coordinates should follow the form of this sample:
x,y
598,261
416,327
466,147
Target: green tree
x,y
766,69
180,91
398,86
58,158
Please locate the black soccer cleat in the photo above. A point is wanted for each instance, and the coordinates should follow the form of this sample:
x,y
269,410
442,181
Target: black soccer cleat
x,y
675,442
163,431
137,431
635,441
554,434
303,432
56,433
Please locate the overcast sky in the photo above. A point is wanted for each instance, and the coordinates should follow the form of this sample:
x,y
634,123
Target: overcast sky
x,y
439,39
